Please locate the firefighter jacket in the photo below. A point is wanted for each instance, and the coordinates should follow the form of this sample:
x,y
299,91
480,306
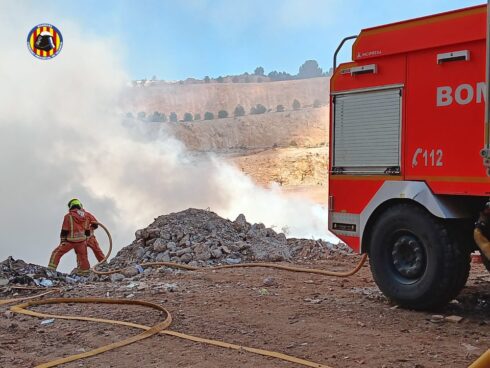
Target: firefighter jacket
x,y
75,225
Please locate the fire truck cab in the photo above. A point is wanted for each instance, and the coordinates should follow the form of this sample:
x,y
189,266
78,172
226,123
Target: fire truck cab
x,y
406,181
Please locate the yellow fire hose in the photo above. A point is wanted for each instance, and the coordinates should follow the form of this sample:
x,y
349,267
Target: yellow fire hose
x,y
161,327
483,361
15,300
149,331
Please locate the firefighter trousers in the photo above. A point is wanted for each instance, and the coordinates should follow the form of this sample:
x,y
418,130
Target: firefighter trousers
x,y
80,248
93,244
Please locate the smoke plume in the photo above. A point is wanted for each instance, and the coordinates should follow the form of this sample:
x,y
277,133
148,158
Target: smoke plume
x,y
62,137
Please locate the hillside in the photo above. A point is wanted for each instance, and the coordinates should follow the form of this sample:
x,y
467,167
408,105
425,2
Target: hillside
x,y
288,148
199,98
302,128
301,172
290,167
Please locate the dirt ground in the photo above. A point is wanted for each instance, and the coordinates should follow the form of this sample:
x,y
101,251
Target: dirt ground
x,y
336,322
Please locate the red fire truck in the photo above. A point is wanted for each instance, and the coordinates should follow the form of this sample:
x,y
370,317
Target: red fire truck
x,y
408,133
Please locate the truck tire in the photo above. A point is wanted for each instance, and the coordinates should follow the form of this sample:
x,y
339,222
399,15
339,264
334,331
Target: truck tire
x,y
462,270
461,232
413,259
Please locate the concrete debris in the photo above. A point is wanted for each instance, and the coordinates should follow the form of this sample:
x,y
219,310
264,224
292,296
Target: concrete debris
x,y
44,282
47,322
269,281
116,277
372,293
159,245
171,287
436,318
455,319
139,268
71,279
199,238
186,258
216,253
316,249
130,271
167,287
8,314
313,301
470,348
19,272
202,238
232,261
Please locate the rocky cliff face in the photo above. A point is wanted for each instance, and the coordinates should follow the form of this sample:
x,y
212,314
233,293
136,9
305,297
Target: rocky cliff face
x,y
303,128
292,166
199,98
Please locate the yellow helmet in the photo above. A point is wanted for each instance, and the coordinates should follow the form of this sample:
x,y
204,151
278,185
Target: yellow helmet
x,y
74,202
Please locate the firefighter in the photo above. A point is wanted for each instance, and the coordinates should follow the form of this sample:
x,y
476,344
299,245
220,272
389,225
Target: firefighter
x,y
482,231
74,233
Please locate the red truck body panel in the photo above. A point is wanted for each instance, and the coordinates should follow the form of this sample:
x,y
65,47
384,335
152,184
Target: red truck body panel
x,y
429,32
442,106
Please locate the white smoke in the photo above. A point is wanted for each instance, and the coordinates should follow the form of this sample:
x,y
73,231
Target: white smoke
x,y
61,137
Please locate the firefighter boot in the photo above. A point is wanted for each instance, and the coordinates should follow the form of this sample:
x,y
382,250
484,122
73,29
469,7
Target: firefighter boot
x,y
83,265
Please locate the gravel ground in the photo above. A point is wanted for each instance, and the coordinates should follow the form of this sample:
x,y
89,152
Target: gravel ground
x,y
337,322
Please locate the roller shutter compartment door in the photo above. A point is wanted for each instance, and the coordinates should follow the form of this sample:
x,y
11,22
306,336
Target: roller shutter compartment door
x,y
367,131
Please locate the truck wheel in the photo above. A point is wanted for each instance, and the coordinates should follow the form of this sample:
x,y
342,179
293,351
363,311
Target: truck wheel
x,y
413,260
462,270
460,232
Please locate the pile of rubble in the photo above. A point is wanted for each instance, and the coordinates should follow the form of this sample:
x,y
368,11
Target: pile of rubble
x,y
19,272
202,238
195,237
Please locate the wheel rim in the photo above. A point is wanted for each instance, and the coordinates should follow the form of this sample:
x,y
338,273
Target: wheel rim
x,y
408,257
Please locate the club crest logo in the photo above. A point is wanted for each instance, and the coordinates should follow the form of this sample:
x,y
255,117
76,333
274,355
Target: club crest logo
x,y
44,41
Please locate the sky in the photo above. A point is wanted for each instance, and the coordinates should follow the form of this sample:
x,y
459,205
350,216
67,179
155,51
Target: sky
x,y
174,40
